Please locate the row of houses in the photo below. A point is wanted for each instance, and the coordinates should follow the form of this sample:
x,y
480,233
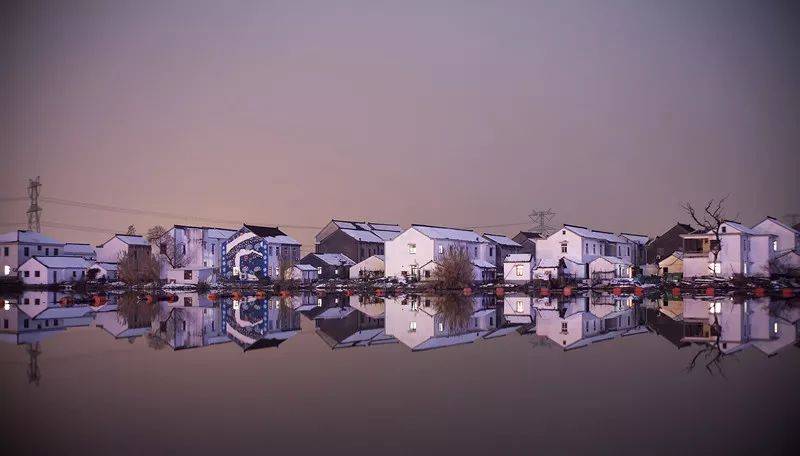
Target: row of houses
x,y
351,250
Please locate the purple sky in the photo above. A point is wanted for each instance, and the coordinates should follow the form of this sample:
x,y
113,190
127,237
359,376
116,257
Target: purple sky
x,y
461,113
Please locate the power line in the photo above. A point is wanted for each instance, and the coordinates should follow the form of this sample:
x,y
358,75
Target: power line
x,y
501,225
9,199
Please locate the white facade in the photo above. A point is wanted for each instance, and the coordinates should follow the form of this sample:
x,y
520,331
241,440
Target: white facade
x,y
115,248
415,252
52,270
786,237
604,267
518,268
743,251
374,266
201,246
546,269
580,245
304,273
672,264
16,247
103,271
189,275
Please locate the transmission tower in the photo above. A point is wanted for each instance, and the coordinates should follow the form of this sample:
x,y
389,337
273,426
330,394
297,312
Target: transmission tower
x,y
541,221
34,211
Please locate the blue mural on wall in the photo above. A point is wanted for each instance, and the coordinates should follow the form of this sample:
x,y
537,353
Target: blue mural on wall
x,y
247,259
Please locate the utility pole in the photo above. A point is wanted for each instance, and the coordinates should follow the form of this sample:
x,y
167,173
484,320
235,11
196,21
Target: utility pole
x,y
34,211
541,221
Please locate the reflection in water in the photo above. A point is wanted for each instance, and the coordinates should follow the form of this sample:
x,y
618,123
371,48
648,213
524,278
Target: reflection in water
x,y
718,327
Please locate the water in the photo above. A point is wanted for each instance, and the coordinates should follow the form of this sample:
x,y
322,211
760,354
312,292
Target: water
x,y
398,375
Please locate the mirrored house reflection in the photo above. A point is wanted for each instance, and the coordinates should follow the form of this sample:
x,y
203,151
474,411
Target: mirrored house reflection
x,y
428,321
125,317
358,323
254,323
579,321
187,320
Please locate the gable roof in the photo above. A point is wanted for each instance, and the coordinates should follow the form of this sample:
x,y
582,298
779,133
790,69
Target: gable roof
x,y
530,234
79,249
453,234
335,259
518,258
610,259
61,262
636,238
779,223
28,236
130,239
305,267
582,231
502,240
273,234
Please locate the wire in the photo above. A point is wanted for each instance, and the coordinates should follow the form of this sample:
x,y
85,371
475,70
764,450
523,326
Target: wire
x,y
502,225
9,199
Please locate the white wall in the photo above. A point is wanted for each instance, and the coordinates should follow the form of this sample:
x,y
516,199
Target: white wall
x,y
399,260
46,275
512,270
111,251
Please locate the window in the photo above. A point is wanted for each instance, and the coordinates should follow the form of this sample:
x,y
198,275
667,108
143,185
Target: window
x,y
27,273
37,301
628,249
183,248
412,326
427,274
724,229
27,301
491,251
587,326
336,271
520,307
564,327
38,248
716,267
27,251
744,265
25,323
412,248
74,274
715,307
319,302
187,301
162,248
5,323
319,270
212,248
519,270
36,274
441,327
187,274
563,247
774,246
594,248
563,232
5,251
441,249
476,251
55,252
587,247
6,270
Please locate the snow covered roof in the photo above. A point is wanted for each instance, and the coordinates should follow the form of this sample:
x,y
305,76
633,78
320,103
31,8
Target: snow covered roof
x,y
362,235
739,227
61,262
500,239
335,259
386,235
777,222
106,266
483,264
547,263
610,259
27,236
305,267
129,239
78,249
582,231
220,233
271,234
636,238
518,258
454,234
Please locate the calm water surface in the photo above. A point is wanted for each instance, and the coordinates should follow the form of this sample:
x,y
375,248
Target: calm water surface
x,y
423,374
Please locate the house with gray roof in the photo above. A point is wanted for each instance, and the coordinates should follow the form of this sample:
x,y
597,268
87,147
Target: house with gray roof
x,y
357,240
16,247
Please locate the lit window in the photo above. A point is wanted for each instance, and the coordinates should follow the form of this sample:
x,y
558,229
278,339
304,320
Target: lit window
x,y
319,270
775,327
519,270
412,248
775,246
716,267
412,326
319,302
520,306
715,307
441,327
6,270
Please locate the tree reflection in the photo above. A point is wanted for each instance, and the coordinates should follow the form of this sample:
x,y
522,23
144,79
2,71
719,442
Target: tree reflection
x,y
455,310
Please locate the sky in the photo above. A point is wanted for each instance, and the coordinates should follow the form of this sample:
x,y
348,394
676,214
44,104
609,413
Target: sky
x,y
458,113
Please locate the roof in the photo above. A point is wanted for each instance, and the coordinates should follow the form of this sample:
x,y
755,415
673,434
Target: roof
x,y
454,234
483,264
530,234
518,258
362,235
739,227
61,262
130,239
368,231
27,236
547,263
637,238
80,249
335,259
582,231
500,239
369,226
219,233
106,266
796,230
273,234
305,267
610,259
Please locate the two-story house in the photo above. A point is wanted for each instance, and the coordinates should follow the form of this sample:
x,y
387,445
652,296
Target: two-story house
x,y
576,246
357,240
258,252
742,251
16,247
416,251
200,246
121,244
502,246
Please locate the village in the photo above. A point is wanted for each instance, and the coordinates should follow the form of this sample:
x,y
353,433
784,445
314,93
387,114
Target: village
x,y
385,255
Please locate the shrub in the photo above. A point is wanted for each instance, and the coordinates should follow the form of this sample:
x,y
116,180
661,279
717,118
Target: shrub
x,y
454,271
138,269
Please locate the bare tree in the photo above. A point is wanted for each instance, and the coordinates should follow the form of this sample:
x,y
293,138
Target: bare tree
x,y
136,269
172,253
454,271
131,230
710,219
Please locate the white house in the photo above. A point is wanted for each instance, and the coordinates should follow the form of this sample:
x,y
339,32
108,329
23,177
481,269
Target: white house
x,y
52,270
303,273
609,267
120,244
785,245
16,247
672,264
373,266
200,246
518,268
581,245
258,252
189,275
742,251
415,252
85,251
102,271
